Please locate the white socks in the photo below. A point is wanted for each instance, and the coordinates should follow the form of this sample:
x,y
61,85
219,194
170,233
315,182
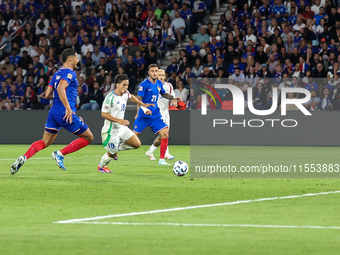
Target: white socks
x,y
60,154
105,160
154,148
124,147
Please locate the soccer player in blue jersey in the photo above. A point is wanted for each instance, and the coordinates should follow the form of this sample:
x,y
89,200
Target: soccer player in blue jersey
x,y
148,93
62,114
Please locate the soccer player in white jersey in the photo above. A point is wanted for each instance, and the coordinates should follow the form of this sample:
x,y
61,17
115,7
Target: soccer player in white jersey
x,y
116,136
163,105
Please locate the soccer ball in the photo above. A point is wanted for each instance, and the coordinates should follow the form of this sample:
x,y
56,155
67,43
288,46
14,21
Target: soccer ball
x,y
180,168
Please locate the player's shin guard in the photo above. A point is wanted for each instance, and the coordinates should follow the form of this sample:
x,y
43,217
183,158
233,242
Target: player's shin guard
x,y
124,147
105,160
164,145
74,146
35,147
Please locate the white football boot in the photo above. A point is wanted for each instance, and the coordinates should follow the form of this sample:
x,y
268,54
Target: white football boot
x,y
17,164
150,155
162,162
169,156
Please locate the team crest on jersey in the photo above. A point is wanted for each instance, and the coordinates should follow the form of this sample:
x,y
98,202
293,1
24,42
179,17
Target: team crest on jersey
x,y
69,76
118,102
58,77
159,89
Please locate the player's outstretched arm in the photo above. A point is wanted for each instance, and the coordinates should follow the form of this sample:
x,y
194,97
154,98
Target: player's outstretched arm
x,y
139,102
63,98
140,99
48,93
109,117
170,97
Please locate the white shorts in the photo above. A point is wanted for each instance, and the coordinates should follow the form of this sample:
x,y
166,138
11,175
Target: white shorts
x,y
166,119
116,137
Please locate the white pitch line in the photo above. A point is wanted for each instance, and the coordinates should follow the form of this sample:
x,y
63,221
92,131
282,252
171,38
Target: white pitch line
x,y
203,225
194,207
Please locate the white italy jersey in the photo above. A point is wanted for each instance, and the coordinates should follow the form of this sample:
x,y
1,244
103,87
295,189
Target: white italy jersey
x,y
163,103
115,105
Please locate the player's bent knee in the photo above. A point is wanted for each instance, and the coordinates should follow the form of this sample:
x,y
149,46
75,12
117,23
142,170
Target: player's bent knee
x,y
90,139
87,136
138,144
164,133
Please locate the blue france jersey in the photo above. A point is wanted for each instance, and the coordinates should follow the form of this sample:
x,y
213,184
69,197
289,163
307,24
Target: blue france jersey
x,y
150,92
71,91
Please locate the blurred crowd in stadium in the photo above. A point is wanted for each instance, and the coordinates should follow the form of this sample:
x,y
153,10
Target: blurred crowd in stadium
x,y
257,43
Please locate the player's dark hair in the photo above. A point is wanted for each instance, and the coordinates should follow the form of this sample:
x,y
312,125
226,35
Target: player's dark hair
x,y
120,78
67,53
151,66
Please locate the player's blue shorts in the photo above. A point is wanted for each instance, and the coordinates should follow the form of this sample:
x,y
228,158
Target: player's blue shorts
x,y
155,122
55,121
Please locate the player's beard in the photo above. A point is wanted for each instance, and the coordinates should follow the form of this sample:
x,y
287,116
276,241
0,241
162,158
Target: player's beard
x,y
153,79
77,66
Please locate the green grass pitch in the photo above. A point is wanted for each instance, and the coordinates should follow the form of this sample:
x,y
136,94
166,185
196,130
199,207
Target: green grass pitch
x,y
40,194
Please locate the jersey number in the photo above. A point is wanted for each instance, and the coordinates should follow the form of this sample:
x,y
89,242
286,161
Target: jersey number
x,y
111,145
123,108
154,98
